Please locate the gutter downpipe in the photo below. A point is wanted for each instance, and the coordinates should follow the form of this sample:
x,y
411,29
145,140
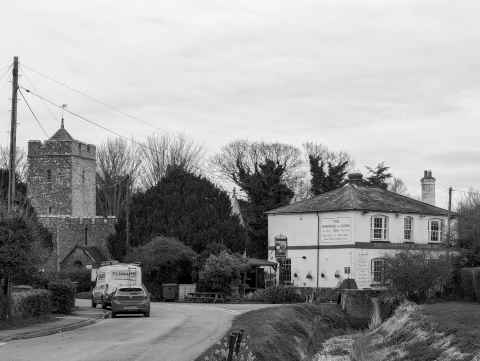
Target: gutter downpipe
x,y
318,247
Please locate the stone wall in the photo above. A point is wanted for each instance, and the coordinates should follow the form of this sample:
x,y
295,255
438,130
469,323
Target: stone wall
x,y
61,178
67,232
49,195
83,187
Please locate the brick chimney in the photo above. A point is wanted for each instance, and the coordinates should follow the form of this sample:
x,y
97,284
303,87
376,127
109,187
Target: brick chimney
x,y
428,187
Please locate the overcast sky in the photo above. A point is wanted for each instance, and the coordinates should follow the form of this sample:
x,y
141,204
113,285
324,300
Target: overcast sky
x,y
393,81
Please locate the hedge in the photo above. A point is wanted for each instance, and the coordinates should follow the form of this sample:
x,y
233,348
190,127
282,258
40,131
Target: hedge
x,y
470,283
32,303
63,296
277,294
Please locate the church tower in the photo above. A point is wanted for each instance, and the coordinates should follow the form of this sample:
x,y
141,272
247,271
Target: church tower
x,y
62,176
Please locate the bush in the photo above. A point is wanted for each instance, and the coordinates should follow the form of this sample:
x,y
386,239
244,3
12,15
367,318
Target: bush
x,y
32,303
81,276
277,294
417,275
164,260
3,306
220,273
470,283
63,296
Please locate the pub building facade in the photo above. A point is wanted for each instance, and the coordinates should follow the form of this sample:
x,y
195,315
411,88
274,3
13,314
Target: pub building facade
x,y
347,233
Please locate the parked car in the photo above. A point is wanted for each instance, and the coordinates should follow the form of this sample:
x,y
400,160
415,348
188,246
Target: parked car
x,y
130,300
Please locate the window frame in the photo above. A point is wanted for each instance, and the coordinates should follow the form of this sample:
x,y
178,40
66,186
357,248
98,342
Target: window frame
x,y
438,231
374,271
384,229
405,229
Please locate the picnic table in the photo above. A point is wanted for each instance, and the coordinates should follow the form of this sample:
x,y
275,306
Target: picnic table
x,y
205,297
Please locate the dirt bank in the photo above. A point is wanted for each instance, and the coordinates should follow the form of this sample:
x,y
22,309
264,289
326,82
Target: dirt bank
x,y
446,331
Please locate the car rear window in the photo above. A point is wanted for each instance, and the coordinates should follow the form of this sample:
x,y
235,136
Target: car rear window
x,y
131,290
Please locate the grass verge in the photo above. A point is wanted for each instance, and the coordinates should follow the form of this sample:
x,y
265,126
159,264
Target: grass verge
x,y
288,332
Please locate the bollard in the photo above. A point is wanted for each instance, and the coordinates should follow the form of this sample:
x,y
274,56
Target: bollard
x,y
239,341
231,345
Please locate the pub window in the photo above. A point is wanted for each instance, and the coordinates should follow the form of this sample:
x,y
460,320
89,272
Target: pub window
x,y
408,228
49,175
285,269
281,246
379,228
378,270
49,210
83,175
435,229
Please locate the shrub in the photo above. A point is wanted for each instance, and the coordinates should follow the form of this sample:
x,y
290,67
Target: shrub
x,y
3,306
417,275
220,273
63,296
164,260
277,294
466,283
32,303
81,276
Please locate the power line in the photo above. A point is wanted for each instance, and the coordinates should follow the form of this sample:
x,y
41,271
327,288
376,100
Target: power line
x,y
47,107
33,113
8,67
84,94
83,118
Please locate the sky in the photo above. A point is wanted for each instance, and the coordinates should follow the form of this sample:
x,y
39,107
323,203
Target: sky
x,y
387,80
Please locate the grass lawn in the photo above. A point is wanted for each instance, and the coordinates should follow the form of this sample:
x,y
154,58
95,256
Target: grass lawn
x,y
461,319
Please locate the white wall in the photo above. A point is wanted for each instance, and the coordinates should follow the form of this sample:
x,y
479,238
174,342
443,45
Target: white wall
x,y
301,231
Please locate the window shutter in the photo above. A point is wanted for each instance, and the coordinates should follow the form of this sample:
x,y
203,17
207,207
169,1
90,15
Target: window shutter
x,y
371,228
385,235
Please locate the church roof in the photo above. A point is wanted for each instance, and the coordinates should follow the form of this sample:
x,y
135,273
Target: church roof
x,y
61,134
358,196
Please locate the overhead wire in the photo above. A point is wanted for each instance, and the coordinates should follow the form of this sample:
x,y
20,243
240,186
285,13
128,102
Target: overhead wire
x,y
84,94
32,85
79,116
33,113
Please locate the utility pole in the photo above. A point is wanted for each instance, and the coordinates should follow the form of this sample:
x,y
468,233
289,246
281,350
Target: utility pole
x,y
13,137
127,211
450,190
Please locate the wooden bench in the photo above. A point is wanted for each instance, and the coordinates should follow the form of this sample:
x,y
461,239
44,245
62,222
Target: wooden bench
x,y
205,297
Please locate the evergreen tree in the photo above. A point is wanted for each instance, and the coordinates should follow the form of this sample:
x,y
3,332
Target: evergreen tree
x,y
185,206
265,191
379,175
322,181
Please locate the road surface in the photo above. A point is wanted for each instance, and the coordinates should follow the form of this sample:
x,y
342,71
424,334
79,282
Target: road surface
x,y
174,332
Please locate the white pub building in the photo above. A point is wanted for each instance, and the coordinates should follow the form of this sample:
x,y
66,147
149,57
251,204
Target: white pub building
x,y
347,232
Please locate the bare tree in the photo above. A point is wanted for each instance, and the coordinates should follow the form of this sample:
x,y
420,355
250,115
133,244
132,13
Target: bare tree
x,y
118,164
161,151
245,156
398,186
21,161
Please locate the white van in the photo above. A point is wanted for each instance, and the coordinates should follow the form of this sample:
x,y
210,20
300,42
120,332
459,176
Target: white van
x,y
111,276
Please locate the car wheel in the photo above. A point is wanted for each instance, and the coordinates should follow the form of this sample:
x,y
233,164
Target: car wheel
x,y
94,305
104,305
147,314
114,315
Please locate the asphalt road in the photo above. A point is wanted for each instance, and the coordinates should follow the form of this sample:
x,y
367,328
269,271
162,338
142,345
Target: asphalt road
x,y
174,332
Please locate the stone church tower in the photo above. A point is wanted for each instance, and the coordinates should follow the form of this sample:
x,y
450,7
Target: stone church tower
x,y
61,185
